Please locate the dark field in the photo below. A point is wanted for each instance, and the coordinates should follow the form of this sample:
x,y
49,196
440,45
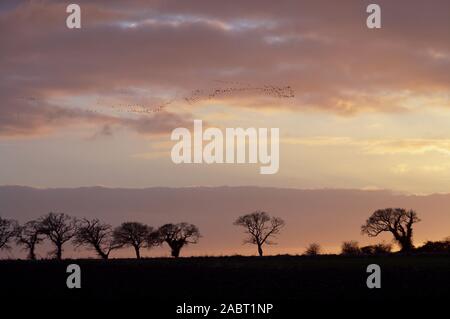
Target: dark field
x,y
237,279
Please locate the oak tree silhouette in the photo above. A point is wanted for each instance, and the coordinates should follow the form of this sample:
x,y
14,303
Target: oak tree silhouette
x,y
177,236
29,235
132,234
397,221
95,234
260,227
59,229
8,229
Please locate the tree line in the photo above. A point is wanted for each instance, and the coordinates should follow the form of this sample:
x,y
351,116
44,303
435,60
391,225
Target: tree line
x,y
260,227
93,234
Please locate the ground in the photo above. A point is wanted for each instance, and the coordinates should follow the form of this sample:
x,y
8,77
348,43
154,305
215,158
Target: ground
x,y
284,280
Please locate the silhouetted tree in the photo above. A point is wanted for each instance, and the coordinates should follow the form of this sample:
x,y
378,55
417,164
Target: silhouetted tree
x,y
398,221
442,246
350,248
59,229
29,235
132,234
260,227
177,236
95,234
8,229
377,249
313,249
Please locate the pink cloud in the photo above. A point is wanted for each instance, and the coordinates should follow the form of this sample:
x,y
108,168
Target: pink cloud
x,y
328,57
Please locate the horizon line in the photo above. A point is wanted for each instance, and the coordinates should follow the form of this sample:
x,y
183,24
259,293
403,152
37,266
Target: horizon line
x,y
364,189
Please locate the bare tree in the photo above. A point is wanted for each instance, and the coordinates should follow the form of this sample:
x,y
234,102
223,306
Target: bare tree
x,y
59,229
96,235
350,248
8,229
398,221
260,227
132,234
177,236
29,235
313,250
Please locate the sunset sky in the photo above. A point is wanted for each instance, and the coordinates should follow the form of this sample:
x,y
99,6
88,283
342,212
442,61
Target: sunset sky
x,y
370,107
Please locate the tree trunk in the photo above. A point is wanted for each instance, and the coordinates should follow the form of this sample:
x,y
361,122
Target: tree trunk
x,y
260,251
31,254
138,253
58,251
101,253
406,244
176,251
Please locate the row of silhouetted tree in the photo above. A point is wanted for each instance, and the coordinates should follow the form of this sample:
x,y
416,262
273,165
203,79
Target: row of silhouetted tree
x,y
260,227
94,234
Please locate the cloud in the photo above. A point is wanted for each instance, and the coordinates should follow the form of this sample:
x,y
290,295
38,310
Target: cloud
x,y
162,122
31,116
25,115
409,146
412,146
329,58
401,169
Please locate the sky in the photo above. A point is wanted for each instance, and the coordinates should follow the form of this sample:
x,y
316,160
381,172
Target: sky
x,y
357,108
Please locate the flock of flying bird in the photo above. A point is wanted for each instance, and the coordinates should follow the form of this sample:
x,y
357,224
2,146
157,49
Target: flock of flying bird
x,y
198,95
